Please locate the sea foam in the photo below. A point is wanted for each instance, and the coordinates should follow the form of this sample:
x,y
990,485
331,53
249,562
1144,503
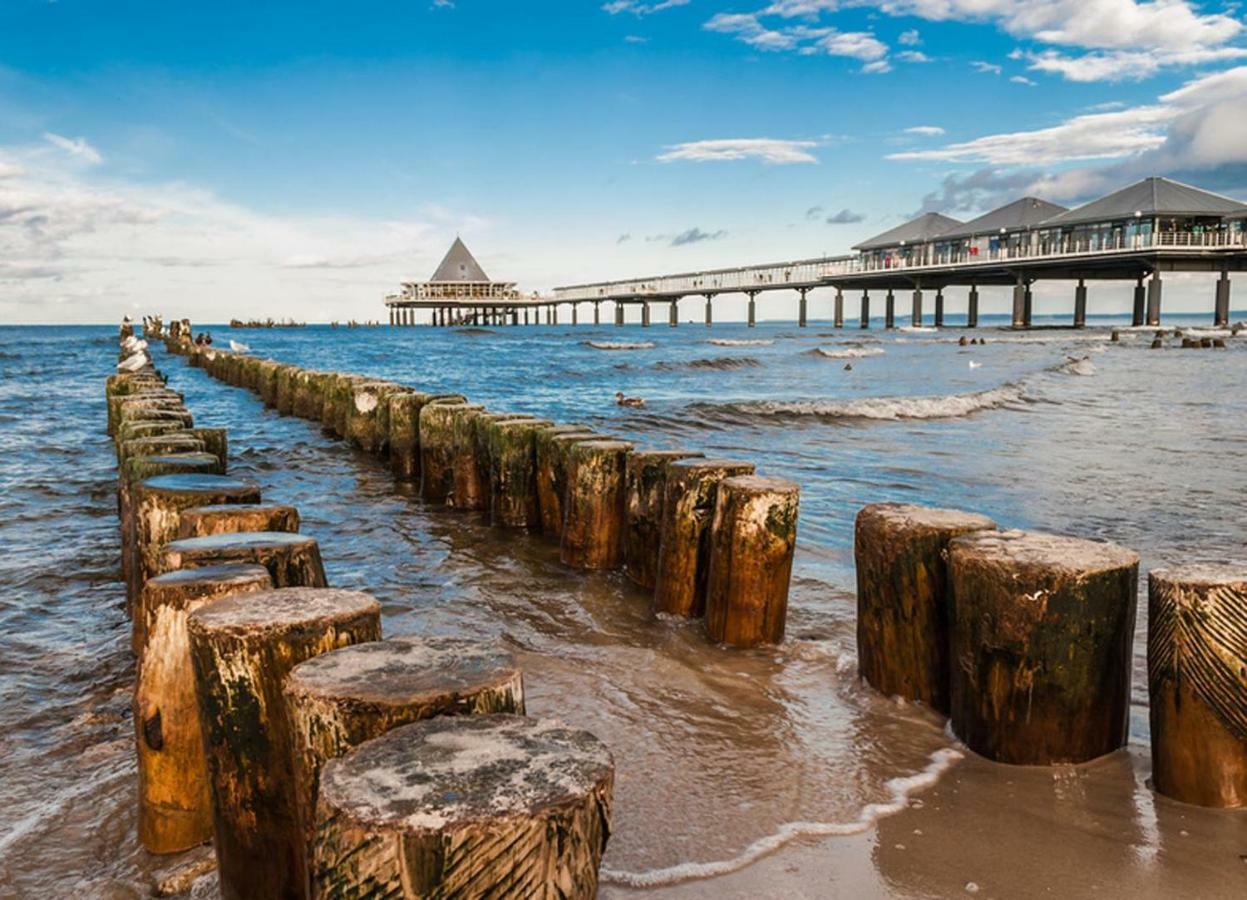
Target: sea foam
x,y
620,345
845,352
949,406
739,342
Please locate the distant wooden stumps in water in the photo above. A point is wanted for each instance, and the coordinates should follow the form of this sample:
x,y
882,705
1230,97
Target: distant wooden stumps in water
x,y
476,806
242,649
293,560
513,501
342,698
175,810
646,486
552,448
903,597
752,539
684,548
593,521
1197,681
1041,633
236,517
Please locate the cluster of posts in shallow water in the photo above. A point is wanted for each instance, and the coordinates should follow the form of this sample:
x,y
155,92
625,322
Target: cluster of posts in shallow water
x,y
709,537
273,719
1024,640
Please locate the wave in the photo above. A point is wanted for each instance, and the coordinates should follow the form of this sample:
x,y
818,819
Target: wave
x,y
740,342
845,352
926,328
1073,366
619,345
472,329
950,406
899,789
722,362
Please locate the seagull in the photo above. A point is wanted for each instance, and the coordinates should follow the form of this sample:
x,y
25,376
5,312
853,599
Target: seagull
x,y
238,346
975,365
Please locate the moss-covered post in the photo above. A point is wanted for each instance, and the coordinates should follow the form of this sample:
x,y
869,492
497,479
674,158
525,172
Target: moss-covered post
x,y
552,448
339,398
467,489
175,811
437,468
646,488
513,472
365,424
308,394
232,518
340,699
242,648
287,376
752,539
684,545
593,520
265,376
1197,680
1041,632
293,560
903,597
404,430
482,438
475,806
216,442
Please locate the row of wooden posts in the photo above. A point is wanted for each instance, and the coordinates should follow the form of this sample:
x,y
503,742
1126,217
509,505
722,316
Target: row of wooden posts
x,y
271,717
708,537
1025,641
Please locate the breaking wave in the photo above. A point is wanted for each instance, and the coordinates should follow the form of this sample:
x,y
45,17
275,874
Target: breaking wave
x,y
739,342
620,345
722,362
844,352
951,406
900,790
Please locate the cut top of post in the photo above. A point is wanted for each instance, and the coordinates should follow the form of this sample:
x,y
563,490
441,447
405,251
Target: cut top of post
x,y
195,483
1204,574
241,574
1036,551
283,609
911,517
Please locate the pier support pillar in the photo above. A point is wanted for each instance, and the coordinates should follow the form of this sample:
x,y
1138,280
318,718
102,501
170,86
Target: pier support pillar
x,y
801,312
939,308
673,313
1019,305
515,317
838,312
1080,305
916,318
1153,299
575,315
619,313
972,308
1139,292
865,309
709,314
753,309
889,310
525,317
1221,312
392,317
1028,303
645,314
554,314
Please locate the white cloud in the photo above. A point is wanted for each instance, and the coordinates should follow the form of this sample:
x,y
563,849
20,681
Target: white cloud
x,y
804,39
768,150
913,56
77,147
925,130
910,38
986,68
638,8
1022,79
1126,65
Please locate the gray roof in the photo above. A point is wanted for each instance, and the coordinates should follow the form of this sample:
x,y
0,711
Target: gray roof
x,y
915,231
1016,216
459,265
1152,197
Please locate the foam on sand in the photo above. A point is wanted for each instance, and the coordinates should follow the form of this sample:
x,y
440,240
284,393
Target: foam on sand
x,y
899,789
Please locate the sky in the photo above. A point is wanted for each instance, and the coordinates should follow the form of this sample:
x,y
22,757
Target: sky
x,y
300,159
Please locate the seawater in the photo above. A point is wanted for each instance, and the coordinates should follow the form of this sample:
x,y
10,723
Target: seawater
x,y
736,770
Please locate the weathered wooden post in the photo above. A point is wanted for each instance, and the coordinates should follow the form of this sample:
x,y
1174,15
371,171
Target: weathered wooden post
x,y
308,401
160,445
404,415
593,518
646,486
175,810
475,806
468,490
340,699
366,424
482,438
285,387
216,442
339,396
242,648
684,546
513,472
158,503
1197,681
235,517
903,597
293,560
552,448
437,469
1041,632
752,539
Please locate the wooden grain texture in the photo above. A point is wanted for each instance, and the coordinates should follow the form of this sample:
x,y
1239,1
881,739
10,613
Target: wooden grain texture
x,y
231,518
293,560
646,487
593,515
552,448
437,457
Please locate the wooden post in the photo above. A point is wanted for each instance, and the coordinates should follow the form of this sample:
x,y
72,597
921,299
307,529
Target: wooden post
x,y
235,517
1197,681
684,545
242,648
365,423
512,456
437,468
646,486
405,430
903,597
340,699
552,447
287,378
752,539
308,401
160,445
468,490
475,806
1041,632
175,810
158,503
216,442
339,398
593,520
293,560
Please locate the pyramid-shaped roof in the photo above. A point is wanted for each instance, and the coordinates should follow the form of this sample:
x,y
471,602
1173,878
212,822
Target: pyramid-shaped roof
x,y
1152,197
1015,216
915,231
459,265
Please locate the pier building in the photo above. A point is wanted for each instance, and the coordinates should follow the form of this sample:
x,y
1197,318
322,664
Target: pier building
x,y
459,293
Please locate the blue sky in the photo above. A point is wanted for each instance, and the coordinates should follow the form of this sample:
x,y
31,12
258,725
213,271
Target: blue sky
x,y
302,158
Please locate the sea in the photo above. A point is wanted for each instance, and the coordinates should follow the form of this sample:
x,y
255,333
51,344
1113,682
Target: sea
x,y
762,773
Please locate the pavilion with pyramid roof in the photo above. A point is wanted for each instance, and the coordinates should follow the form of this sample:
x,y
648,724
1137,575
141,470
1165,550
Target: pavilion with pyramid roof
x,y
458,292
